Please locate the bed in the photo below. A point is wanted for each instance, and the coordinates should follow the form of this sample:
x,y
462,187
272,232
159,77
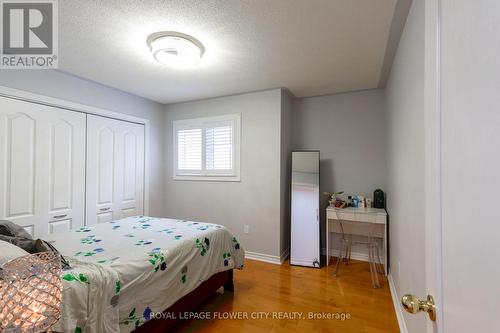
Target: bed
x,y
125,272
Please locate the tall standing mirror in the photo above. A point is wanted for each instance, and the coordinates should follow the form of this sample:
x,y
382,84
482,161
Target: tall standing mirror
x,y
305,224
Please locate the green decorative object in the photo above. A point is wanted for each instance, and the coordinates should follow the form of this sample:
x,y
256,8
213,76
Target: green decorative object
x,y
117,287
72,277
202,246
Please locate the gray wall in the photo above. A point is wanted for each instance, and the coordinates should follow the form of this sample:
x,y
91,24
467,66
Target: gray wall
x,y
256,199
64,86
349,130
406,157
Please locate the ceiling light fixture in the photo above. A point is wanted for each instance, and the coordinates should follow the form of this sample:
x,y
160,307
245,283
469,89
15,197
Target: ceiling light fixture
x,y
175,49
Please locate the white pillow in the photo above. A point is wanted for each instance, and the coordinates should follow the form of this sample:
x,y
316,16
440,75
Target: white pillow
x,y
9,251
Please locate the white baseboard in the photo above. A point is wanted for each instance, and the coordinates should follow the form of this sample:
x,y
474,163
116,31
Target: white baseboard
x,y
263,257
268,258
397,305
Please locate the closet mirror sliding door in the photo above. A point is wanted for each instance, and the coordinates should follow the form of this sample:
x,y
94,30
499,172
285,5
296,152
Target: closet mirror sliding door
x,y
115,169
42,167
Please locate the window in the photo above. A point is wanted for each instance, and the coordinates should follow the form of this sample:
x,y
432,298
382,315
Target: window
x,y
207,148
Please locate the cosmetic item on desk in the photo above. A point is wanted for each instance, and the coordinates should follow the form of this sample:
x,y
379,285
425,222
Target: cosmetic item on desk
x,y
354,202
368,202
340,203
361,201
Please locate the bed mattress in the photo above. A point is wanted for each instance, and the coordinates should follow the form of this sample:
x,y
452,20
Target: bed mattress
x,y
123,271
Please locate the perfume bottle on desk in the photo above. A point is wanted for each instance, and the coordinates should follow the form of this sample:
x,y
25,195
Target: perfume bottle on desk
x,y
368,202
361,201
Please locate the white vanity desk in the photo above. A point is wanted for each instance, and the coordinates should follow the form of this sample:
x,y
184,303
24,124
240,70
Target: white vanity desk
x,y
375,218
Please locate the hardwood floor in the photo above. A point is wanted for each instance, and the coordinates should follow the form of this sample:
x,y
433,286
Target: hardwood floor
x,y
268,289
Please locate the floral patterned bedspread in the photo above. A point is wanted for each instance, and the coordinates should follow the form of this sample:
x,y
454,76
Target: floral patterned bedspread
x,y
124,270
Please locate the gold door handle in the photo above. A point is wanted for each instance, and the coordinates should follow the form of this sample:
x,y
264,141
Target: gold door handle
x,y
413,305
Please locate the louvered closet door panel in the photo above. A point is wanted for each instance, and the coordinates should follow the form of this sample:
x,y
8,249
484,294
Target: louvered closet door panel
x,y
115,169
42,168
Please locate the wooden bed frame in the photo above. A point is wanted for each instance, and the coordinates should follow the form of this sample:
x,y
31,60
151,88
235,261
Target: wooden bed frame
x,y
189,303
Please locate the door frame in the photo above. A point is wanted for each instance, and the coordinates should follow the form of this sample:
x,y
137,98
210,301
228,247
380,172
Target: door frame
x,y
59,103
433,166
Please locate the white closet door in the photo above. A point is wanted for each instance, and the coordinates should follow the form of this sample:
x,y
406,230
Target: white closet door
x,y
115,169
42,167
65,180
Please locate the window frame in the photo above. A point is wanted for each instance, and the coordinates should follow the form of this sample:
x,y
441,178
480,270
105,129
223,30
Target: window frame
x,y
232,175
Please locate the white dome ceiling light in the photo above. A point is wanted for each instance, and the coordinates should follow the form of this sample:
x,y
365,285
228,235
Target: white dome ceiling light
x,y
175,49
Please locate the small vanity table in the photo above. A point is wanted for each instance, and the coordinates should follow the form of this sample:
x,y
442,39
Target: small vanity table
x,y
365,220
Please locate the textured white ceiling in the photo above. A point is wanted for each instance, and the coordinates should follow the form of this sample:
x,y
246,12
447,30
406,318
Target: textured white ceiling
x,y
311,47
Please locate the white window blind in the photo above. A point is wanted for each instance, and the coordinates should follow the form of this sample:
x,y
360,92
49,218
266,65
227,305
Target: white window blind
x,y
207,148
219,148
189,149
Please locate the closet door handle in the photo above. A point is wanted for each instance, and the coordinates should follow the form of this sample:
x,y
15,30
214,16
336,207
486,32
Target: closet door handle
x,y
105,209
60,216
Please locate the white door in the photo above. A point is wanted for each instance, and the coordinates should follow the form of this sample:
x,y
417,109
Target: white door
x,y
42,167
115,169
470,160
462,166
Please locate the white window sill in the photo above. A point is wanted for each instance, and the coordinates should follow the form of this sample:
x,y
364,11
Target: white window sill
x,y
207,178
